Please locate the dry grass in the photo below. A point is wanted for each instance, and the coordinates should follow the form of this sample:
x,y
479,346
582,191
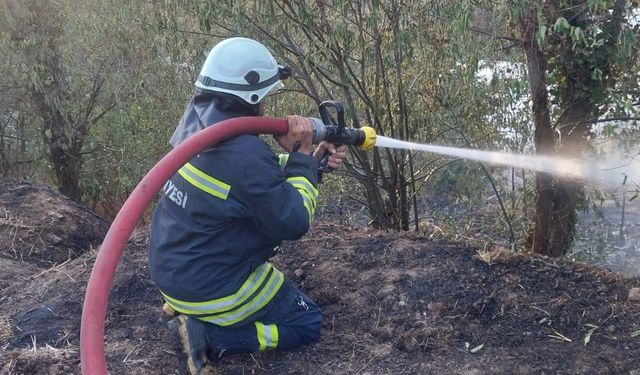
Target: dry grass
x,y
490,256
5,329
50,359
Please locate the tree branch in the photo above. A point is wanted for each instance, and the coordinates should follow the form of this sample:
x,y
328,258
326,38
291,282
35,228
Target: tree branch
x,y
615,26
480,31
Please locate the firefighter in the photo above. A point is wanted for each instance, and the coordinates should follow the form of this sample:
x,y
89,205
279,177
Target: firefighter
x,y
223,213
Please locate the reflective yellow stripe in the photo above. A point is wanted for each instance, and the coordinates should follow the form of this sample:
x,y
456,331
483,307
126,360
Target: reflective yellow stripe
x,y
204,182
262,341
268,292
307,197
302,182
220,305
274,336
267,336
308,192
309,207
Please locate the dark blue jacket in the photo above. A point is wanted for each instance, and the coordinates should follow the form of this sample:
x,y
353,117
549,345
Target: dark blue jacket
x,y
222,214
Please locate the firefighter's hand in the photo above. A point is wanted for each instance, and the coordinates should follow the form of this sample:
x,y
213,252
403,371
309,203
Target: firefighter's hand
x,y
299,132
336,154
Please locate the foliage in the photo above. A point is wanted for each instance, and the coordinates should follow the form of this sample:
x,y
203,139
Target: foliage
x,y
450,73
395,65
578,53
85,91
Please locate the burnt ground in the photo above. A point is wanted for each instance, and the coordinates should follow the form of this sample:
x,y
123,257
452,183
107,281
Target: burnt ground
x,y
41,227
394,303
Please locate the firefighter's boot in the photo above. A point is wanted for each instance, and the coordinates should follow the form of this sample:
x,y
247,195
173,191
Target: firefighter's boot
x,y
168,312
192,334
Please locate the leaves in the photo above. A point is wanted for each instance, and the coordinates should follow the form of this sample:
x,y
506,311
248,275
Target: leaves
x,y
596,74
577,36
561,25
541,35
596,5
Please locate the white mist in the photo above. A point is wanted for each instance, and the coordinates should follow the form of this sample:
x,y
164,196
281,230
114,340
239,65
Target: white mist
x,y
610,172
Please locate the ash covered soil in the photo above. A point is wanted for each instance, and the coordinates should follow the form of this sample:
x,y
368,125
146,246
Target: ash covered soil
x,y
394,303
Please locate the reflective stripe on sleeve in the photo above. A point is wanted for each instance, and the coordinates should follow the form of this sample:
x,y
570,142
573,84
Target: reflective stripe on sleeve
x,y
308,192
303,183
204,182
267,336
309,207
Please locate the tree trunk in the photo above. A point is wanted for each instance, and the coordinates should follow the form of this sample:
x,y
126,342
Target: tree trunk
x,y
567,195
579,100
544,137
67,168
62,132
64,153
557,199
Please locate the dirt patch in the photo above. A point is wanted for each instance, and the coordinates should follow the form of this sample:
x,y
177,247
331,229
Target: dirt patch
x,y
40,226
42,317
406,304
393,304
13,271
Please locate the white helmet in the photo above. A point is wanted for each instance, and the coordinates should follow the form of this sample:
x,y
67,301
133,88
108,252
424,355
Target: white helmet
x,y
241,67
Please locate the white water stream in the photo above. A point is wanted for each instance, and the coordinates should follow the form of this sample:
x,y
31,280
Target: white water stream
x,y
610,172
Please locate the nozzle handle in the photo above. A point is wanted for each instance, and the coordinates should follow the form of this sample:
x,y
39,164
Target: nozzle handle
x,y
324,112
324,163
338,134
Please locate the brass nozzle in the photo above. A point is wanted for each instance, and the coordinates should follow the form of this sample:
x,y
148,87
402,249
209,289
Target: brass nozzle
x,y
369,138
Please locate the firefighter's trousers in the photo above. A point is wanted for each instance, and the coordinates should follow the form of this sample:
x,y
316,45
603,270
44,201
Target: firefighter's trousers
x,y
290,320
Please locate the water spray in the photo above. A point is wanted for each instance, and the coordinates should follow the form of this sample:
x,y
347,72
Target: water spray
x,y
612,172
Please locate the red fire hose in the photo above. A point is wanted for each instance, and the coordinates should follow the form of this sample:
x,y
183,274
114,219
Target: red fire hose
x,y
92,355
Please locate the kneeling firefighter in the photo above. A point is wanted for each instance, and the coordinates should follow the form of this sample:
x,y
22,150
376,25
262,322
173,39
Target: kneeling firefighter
x,y
223,213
